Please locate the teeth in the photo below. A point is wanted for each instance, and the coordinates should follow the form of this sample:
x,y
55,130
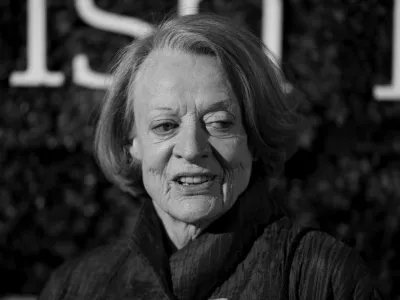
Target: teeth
x,y
186,180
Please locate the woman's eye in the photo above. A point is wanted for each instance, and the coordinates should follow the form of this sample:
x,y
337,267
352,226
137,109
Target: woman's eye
x,y
165,128
221,125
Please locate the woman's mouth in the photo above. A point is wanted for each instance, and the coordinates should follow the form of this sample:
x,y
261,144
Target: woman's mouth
x,y
194,180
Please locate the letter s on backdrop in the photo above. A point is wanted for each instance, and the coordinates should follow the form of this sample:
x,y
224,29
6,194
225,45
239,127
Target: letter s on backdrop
x,y
87,10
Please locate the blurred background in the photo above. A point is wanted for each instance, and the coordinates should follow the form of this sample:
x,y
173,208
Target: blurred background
x,y
54,201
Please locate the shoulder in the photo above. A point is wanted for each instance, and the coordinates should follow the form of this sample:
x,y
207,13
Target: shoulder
x,y
328,268
86,274
309,243
321,266
323,255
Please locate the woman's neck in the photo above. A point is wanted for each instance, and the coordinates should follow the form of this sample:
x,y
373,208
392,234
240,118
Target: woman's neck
x,y
180,233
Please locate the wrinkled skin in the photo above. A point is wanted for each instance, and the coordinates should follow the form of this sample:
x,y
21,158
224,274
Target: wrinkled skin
x,y
188,120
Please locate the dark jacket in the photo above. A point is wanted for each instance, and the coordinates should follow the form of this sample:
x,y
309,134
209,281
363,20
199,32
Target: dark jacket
x,y
262,258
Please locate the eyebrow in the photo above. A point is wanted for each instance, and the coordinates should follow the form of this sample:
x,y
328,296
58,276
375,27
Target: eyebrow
x,y
220,105
224,104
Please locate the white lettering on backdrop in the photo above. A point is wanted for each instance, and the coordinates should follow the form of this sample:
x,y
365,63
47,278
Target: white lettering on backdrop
x,y
81,72
391,92
37,74
188,7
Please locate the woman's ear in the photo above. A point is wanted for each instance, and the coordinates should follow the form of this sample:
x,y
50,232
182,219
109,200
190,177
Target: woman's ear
x,y
135,150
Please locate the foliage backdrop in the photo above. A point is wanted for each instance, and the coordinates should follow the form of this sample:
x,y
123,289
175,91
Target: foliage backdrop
x,y
55,203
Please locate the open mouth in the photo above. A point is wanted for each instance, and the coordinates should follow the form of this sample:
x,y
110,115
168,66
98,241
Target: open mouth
x,y
194,180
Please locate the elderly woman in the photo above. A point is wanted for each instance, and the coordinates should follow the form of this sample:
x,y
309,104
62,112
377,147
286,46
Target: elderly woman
x,y
195,125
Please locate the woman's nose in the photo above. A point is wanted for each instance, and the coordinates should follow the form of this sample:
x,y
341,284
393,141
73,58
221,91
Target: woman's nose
x,y
192,143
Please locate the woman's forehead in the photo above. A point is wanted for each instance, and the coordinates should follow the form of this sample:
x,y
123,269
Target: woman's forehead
x,y
171,76
169,68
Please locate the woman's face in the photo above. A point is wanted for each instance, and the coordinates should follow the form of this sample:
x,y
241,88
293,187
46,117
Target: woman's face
x,y
189,136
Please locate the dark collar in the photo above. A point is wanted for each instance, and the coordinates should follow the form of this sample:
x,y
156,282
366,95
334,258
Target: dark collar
x,y
150,239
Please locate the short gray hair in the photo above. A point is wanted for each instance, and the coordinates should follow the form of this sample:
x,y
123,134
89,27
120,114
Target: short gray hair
x,y
270,122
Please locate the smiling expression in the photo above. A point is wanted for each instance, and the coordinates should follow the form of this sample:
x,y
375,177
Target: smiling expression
x,y
189,136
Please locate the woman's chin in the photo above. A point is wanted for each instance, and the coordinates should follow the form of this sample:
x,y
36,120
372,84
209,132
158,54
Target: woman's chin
x,y
195,209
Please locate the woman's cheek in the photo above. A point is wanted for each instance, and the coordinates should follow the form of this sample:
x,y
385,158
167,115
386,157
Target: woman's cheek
x,y
156,157
237,154
154,167
239,162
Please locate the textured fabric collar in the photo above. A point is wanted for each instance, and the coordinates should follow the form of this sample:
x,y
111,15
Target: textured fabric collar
x,y
150,240
194,271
